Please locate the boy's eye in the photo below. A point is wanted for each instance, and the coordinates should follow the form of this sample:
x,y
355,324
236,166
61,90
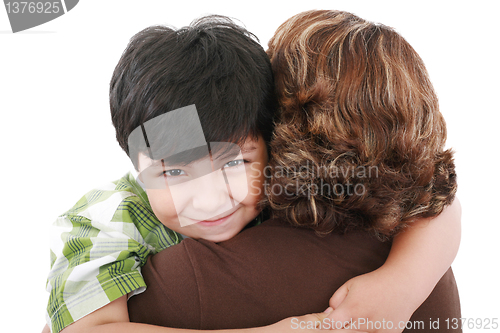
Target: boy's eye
x,y
233,163
174,172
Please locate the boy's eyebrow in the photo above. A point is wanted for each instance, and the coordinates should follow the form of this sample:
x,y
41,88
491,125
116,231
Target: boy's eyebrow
x,y
233,153
165,161
157,163
248,149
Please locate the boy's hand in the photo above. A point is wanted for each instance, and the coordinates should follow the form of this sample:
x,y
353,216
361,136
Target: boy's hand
x,y
307,323
379,301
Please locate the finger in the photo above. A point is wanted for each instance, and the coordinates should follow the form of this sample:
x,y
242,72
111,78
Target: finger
x,y
313,319
339,296
339,318
317,321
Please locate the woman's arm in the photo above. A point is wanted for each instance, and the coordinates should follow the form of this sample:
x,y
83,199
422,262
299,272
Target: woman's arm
x,y
418,259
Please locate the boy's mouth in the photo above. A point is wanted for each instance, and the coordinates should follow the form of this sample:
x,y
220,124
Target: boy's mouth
x,y
215,222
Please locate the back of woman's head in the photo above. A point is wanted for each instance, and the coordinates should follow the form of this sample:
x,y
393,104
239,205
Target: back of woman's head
x,y
360,138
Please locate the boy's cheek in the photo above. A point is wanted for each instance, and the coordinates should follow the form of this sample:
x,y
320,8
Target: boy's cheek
x,y
256,188
163,206
239,188
256,180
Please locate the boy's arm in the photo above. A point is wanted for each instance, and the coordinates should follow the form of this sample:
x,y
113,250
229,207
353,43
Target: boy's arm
x,y
418,259
114,318
423,253
97,249
114,312
94,265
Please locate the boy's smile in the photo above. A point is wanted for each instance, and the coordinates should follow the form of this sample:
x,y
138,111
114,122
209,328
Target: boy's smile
x,y
216,221
212,205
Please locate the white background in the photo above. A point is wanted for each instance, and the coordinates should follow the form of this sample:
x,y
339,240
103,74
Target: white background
x,y
57,141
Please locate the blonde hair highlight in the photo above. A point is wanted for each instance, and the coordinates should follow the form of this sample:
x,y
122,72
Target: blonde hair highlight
x,y
353,94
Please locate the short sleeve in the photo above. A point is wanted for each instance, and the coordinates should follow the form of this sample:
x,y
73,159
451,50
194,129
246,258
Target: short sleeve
x,y
97,250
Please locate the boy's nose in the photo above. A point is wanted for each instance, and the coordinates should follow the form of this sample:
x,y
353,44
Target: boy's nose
x,y
212,196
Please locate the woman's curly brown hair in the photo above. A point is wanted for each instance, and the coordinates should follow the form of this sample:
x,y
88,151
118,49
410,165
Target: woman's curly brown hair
x,y
360,139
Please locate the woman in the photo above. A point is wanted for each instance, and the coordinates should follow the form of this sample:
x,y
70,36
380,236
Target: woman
x,y
358,151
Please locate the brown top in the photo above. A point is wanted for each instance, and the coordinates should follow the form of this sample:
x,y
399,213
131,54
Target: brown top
x,y
265,274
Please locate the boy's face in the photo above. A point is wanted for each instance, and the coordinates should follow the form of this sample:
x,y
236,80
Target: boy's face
x,y
214,206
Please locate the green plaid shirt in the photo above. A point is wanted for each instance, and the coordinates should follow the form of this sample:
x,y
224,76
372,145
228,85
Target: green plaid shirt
x,y
98,248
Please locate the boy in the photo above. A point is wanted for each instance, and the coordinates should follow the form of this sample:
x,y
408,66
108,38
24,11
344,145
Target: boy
x,y
104,240
213,70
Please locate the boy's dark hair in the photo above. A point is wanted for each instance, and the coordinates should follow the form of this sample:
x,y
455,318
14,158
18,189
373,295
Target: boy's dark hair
x,y
213,63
